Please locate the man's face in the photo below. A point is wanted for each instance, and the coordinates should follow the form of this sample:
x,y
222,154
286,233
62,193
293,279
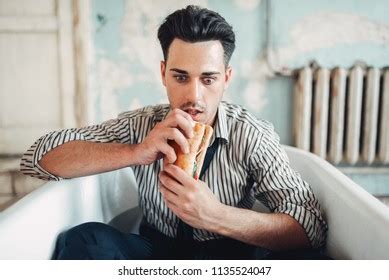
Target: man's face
x,y
195,78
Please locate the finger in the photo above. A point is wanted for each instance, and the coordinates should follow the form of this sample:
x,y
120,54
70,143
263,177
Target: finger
x,y
169,152
168,195
170,183
186,124
179,175
182,120
177,136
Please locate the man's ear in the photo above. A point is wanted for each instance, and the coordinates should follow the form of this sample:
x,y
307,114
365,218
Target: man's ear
x,y
228,76
163,72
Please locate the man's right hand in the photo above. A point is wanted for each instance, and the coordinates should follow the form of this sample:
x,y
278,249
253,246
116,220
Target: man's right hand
x,y
178,127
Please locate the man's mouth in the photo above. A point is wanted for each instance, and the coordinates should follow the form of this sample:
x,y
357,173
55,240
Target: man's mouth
x,y
194,113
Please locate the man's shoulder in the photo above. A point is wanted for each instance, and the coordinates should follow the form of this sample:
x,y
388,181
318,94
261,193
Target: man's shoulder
x,y
248,132
238,116
152,111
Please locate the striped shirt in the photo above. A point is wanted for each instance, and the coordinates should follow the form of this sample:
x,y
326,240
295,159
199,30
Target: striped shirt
x,y
248,165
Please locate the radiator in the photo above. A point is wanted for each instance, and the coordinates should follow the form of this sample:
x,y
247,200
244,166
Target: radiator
x,y
342,115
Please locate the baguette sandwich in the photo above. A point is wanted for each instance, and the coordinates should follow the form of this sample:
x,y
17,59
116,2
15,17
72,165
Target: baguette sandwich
x,y
192,162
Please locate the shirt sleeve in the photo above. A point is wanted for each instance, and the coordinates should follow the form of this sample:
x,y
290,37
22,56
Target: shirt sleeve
x,y
115,130
283,190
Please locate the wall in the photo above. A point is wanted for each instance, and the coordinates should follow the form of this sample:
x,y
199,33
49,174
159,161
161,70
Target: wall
x,y
333,33
125,66
128,53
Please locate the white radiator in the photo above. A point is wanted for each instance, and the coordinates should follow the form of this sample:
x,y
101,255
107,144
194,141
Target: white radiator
x,y
342,115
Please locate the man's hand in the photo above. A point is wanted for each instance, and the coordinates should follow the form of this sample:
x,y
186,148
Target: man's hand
x,y
192,201
177,126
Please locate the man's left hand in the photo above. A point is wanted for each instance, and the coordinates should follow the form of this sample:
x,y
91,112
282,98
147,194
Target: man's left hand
x,y
191,200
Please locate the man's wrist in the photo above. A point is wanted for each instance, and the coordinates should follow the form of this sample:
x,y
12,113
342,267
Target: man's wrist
x,y
220,220
132,153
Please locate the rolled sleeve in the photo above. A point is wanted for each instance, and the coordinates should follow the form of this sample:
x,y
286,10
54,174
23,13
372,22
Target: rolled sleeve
x,y
283,190
116,130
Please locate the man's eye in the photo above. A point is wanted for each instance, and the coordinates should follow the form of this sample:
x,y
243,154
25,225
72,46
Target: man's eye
x,y
180,78
208,81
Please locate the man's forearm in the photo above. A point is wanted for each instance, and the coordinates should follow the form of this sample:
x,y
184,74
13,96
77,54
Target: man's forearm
x,y
273,231
82,158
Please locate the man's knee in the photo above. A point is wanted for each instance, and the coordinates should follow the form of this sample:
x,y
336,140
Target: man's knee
x,y
86,233
79,242
100,241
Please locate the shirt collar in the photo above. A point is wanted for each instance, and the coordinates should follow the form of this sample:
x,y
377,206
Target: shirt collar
x,y
220,127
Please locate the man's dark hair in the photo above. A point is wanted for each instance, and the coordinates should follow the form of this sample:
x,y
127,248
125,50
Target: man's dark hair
x,y
196,24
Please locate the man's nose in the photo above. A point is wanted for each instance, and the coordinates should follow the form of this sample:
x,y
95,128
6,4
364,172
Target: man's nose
x,y
195,91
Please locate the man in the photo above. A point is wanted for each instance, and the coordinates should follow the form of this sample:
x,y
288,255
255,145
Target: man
x,y
185,218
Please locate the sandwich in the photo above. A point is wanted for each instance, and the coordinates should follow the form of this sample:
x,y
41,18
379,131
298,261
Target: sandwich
x,y
192,162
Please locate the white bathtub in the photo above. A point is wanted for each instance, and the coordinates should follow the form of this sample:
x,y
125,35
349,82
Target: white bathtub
x,y
358,222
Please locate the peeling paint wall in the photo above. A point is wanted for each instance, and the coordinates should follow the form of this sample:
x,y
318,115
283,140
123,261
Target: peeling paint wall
x,y
331,33
125,72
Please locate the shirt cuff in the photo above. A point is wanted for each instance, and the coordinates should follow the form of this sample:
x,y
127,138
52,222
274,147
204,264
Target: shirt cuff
x,y
313,224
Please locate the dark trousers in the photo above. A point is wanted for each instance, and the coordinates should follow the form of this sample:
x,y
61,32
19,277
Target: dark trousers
x,y
102,242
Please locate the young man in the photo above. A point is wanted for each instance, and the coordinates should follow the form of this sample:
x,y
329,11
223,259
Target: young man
x,y
185,218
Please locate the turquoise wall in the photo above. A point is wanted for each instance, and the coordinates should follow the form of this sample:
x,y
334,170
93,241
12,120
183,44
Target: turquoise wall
x,y
126,54
333,33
